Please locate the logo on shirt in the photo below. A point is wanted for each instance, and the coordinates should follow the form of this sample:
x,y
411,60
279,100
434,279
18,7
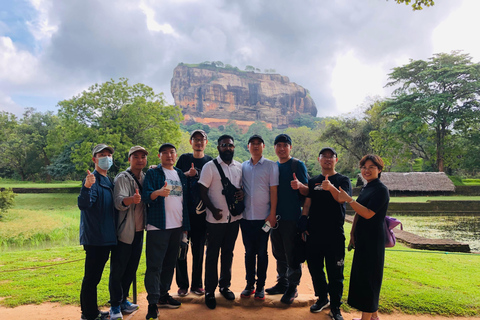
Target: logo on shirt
x,y
176,188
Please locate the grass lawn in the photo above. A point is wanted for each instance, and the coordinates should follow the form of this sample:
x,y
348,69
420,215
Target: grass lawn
x,y
433,198
28,184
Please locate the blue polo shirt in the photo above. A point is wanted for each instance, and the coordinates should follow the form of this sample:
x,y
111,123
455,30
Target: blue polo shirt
x,y
288,205
257,180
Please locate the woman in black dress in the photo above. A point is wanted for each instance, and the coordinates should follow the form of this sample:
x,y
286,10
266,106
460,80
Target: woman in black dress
x,y
368,239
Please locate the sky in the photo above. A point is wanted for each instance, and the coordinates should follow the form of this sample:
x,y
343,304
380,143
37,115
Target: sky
x,y
340,50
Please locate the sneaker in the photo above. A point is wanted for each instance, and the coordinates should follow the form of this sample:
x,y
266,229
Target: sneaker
x,y
182,292
227,294
152,312
115,313
335,313
276,289
210,300
168,302
128,307
198,291
289,295
102,315
260,293
249,290
320,305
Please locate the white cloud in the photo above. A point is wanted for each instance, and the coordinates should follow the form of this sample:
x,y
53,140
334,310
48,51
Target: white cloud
x,y
152,24
16,66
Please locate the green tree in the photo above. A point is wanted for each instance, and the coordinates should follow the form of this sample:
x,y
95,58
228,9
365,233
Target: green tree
x,y
116,113
417,4
441,93
7,200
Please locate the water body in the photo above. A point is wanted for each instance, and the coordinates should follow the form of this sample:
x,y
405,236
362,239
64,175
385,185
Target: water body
x,y
461,228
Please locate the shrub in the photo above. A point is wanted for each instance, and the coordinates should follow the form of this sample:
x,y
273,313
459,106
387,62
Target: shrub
x,y
7,200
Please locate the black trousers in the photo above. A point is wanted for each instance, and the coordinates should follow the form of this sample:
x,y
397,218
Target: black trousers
x,y
123,267
255,241
95,259
283,247
220,236
332,258
197,236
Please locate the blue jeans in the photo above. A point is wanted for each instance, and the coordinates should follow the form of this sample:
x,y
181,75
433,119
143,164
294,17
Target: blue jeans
x,y
161,253
255,241
123,267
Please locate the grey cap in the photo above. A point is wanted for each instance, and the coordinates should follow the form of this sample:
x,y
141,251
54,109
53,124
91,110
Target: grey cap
x,y
203,133
135,149
100,147
166,145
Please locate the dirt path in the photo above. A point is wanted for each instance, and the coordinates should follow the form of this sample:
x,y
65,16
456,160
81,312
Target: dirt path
x,y
193,306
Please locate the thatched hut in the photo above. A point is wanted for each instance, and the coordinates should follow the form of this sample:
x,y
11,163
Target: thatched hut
x,y
414,182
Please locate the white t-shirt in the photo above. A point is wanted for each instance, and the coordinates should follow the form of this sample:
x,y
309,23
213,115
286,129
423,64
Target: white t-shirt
x,y
210,178
174,202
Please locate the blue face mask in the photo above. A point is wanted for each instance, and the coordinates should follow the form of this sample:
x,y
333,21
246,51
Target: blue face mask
x,y
105,163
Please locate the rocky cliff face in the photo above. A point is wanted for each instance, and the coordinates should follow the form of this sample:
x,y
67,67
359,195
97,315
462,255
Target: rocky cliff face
x,y
219,93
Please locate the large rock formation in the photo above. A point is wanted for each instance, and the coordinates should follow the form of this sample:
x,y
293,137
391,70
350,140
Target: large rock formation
x,y
213,95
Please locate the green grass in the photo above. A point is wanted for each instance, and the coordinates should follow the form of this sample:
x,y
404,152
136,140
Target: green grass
x,y
433,198
471,182
28,184
37,220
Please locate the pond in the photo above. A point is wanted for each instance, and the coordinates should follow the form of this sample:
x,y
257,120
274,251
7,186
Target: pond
x,y
461,228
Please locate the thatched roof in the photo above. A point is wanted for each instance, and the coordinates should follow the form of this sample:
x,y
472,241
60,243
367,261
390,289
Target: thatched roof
x,y
415,181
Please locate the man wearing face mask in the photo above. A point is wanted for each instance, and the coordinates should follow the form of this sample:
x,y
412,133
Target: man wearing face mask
x,y
97,228
222,227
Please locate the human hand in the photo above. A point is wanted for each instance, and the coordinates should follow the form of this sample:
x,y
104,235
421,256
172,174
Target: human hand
x,y
137,197
326,184
343,196
272,219
89,180
239,195
217,213
295,183
164,191
192,172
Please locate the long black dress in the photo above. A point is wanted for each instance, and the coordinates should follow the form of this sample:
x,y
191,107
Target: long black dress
x,y
368,259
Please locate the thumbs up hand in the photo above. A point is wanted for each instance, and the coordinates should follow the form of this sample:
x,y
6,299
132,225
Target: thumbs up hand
x,y
326,184
137,197
165,190
295,184
89,180
191,172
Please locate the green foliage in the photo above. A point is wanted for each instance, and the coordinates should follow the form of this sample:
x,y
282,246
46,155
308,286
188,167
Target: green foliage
x,y
457,181
435,99
118,114
417,4
306,146
306,120
7,200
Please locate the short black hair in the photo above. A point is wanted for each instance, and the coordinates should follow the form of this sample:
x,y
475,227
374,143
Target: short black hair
x,y
223,137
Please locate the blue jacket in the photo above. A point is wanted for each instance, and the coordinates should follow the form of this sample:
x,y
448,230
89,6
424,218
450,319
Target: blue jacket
x,y
97,219
154,180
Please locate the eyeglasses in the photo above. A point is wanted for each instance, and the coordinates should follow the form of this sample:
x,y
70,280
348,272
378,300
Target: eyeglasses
x,y
198,140
325,157
368,168
227,145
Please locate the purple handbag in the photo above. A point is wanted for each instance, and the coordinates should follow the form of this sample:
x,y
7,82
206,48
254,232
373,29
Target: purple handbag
x,y
391,223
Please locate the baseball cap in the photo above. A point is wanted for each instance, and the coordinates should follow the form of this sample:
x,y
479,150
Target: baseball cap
x,y
100,147
165,146
283,138
327,149
135,149
256,136
203,133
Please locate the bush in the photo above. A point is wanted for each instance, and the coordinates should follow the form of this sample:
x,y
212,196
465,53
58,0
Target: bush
x,y
7,200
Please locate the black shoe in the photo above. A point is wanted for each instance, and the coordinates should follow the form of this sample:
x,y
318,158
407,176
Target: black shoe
x,y
168,302
320,305
152,313
335,313
249,290
227,294
210,300
289,295
276,289
260,293
101,315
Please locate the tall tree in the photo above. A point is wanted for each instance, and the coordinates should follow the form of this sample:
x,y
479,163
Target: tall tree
x,y
417,4
116,113
442,93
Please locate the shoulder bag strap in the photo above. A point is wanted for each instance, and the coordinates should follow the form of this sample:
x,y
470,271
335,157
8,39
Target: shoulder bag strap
x,y
224,179
135,178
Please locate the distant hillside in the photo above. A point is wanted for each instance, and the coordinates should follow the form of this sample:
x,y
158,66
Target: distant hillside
x,y
213,95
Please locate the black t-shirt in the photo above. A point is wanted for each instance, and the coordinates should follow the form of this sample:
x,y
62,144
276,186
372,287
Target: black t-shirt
x,y
326,216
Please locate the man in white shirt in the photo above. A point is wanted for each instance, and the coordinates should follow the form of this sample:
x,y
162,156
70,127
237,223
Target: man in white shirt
x,y
222,227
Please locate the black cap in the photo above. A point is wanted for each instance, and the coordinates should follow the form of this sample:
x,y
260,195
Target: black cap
x,y
327,149
283,138
166,145
256,136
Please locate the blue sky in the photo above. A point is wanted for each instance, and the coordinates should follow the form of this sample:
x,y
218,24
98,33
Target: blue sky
x,y
341,51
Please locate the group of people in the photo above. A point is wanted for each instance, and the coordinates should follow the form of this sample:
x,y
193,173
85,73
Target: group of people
x,y
185,201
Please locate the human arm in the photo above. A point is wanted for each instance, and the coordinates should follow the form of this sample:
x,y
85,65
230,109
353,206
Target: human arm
x,y
344,183
297,185
351,244
122,192
272,217
217,213
88,195
357,207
